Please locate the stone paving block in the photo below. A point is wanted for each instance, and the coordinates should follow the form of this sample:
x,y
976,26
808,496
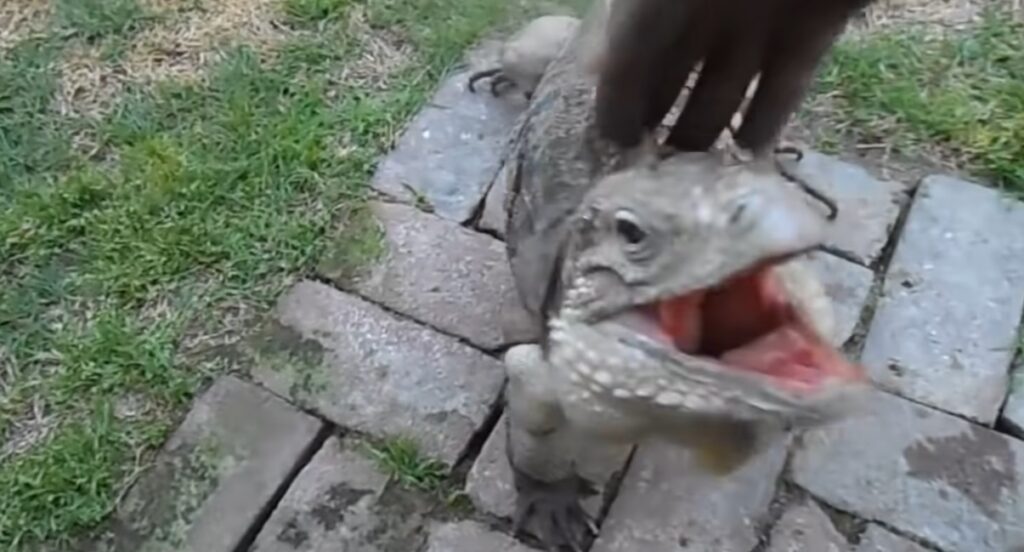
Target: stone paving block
x,y
439,273
868,207
470,536
923,472
945,329
805,527
377,373
668,504
1013,410
494,214
877,539
489,483
237,446
451,150
848,285
334,504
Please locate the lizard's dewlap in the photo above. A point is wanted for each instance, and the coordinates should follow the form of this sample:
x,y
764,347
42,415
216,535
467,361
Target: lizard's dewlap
x,y
749,324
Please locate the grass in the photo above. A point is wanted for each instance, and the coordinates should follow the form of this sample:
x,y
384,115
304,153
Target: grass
x,y
311,11
204,197
960,93
402,461
96,19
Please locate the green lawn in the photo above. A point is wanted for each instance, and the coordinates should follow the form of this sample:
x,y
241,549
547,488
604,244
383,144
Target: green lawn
x,y
958,95
203,202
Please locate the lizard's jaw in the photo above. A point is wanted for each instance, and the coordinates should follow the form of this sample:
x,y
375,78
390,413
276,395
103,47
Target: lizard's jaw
x,y
748,325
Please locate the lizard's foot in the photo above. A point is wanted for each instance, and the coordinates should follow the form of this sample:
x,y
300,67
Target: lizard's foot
x,y
555,509
500,84
486,73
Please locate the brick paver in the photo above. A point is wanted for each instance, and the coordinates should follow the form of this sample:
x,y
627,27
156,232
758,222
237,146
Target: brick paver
x,y
451,151
441,274
470,536
877,539
804,526
384,375
942,479
945,329
667,503
238,445
332,505
868,207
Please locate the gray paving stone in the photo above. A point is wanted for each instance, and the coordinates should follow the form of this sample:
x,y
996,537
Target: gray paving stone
x,y
489,482
439,273
376,373
219,469
868,207
494,214
805,527
451,150
923,472
946,325
470,536
668,504
877,539
334,504
848,285
1013,410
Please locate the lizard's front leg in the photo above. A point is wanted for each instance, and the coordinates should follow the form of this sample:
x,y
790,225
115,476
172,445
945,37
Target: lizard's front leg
x,y
541,451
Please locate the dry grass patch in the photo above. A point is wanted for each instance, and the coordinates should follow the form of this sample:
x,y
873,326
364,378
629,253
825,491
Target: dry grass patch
x,y
886,14
384,53
89,86
22,19
187,37
188,42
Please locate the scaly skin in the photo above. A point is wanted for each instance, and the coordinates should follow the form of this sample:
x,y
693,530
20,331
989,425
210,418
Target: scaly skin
x,y
595,382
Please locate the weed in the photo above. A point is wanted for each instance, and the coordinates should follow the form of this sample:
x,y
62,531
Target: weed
x,y
400,458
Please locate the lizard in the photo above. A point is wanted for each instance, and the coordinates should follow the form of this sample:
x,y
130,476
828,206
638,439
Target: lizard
x,y
668,299
526,54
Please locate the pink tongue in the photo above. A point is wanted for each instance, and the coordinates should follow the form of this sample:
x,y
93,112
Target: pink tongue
x,y
680,318
787,354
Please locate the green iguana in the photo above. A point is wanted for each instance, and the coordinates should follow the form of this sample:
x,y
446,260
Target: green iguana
x,y
668,301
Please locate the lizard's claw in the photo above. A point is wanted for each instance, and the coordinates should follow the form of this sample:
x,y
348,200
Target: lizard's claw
x,y
556,512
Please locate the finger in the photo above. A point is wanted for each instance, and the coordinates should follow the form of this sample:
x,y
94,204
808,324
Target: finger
x,y
640,33
724,79
672,69
796,49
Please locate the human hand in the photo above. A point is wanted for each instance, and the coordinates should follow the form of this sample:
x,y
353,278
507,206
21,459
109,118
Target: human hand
x,y
652,46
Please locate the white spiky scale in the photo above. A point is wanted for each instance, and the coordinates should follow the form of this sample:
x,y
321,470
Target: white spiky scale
x,y
670,398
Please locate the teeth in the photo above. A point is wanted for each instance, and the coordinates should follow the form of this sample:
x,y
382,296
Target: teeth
x,y
602,377
620,393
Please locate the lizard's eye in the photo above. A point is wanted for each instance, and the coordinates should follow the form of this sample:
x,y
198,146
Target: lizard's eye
x,y
628,228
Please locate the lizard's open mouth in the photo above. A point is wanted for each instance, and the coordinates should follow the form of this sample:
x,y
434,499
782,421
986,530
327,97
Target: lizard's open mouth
x,y
749,324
